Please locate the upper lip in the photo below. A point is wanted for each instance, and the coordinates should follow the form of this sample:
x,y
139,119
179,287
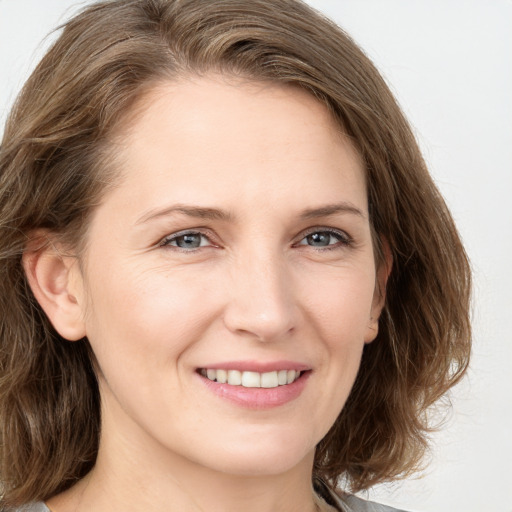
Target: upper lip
x,y
257,366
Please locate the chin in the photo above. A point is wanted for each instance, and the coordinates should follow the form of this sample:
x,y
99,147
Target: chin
x,y
261,456
260,466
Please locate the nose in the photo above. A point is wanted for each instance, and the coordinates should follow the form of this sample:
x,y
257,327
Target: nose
x,y
261,303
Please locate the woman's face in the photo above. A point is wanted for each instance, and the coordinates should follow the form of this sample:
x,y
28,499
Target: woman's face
x,y
236,247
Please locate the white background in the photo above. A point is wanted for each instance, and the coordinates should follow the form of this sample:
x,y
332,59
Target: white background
x,y
450,65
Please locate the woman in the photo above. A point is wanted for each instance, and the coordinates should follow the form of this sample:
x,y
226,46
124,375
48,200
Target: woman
x,y
228,281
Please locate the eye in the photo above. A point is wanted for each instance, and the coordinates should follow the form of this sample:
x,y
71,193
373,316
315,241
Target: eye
x,y
188,241
325,239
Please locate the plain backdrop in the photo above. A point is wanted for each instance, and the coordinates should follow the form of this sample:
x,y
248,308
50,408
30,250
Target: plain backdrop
x,y
449,62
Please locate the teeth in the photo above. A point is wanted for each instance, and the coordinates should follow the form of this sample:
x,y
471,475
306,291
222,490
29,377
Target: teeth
x,y
252,379
269,380
234,377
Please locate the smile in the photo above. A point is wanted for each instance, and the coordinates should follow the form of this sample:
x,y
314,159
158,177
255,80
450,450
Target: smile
x,y
248,379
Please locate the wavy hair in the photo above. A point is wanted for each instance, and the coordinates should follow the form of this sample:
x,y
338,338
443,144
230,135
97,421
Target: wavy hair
x,y
56,164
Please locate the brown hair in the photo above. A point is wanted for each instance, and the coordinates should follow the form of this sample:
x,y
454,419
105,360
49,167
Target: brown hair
x,y
54,163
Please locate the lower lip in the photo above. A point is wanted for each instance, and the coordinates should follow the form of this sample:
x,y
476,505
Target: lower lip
x,y
258,398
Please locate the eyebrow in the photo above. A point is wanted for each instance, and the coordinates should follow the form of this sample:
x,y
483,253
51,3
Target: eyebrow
x,y
201,212
332,209
198,212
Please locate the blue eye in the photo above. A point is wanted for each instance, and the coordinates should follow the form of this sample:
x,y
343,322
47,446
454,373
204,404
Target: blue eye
x,y
325,239
191,240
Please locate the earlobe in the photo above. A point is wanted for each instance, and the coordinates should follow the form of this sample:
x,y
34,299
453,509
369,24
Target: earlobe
x,y
372,329
55,280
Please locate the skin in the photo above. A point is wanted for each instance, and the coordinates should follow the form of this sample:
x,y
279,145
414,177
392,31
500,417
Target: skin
x,y
256,289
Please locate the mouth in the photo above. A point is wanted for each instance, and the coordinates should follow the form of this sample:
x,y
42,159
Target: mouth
x,y
251,379
256,385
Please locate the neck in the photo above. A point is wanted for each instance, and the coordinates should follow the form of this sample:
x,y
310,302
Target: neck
x,y
132,476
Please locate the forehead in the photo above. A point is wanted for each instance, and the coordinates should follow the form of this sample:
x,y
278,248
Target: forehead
x,y
218,138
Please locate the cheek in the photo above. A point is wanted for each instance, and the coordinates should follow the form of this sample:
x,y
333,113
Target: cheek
x,y
339,313
145,317
339,302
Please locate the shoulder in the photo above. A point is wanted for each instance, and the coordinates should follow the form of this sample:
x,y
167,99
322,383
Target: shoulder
x,y
32,507
350,503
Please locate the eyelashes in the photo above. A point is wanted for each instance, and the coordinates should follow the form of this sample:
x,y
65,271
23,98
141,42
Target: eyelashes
x,y
318,238
325,239
188,241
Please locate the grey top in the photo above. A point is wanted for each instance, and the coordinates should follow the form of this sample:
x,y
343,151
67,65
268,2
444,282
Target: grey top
x,y
346,503
351,503
33,507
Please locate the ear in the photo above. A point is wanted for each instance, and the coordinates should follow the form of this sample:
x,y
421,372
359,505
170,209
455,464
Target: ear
x,y
56,282
379,295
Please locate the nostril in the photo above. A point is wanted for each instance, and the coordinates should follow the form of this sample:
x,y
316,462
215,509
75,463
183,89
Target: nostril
x,y
262,326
